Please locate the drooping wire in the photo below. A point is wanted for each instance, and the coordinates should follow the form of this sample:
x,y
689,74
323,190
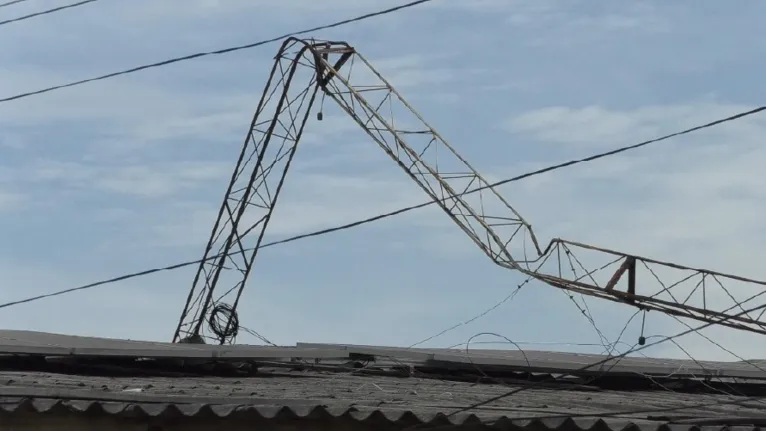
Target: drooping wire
x,y
45,12
507,298
536,343
393,213
257,335
217,52
599,364
632,412
604,361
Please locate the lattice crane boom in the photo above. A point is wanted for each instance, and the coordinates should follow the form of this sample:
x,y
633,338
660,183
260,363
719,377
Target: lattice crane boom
x,y
484,215
250,198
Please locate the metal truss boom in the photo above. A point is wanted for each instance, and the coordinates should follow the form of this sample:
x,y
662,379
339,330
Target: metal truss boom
x,y
461,192
505,237
252,193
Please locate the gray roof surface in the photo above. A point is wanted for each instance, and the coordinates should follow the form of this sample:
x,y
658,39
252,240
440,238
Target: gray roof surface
x,y
39,343
43,343
547,361
342,393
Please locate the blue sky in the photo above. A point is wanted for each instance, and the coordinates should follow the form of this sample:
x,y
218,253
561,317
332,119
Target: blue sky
x,y
124,174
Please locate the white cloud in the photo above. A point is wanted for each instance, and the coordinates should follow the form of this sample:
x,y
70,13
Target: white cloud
x,y
576,23
290,6
675,182
600,126
145,180
10,201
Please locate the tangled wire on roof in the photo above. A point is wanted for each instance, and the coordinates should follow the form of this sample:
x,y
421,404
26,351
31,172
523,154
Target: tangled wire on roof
x,y
224,322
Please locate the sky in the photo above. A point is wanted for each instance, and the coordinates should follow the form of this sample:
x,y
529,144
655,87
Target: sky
x,y
126,174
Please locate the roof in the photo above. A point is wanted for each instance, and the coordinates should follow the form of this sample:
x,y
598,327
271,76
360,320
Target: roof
x,y
421,393
306,394
47,344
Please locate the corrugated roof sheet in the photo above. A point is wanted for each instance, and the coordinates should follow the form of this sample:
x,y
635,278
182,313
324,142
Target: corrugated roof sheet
x,y
411,400
256,413
291,393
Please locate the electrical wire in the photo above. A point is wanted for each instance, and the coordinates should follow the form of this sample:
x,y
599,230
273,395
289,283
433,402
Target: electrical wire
x,y
12,3
479,369
609,347
602,362
45,12
257,335
509,297
612,413
524,176
585,311
392,213
631,413
633,349
217,52
542,343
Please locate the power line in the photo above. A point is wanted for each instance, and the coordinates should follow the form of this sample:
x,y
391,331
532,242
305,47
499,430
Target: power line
x,y
396,212
613,413
509,297
604,361
217,52
600,363
672,338
12,3
45,12
523,176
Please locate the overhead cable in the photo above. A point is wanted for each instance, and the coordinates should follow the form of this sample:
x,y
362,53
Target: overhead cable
x,y
45,12
605,361
523,176
217,52
11,3
396,212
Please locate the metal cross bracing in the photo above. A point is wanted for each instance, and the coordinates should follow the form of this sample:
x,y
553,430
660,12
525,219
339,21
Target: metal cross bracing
x,y
650,284
485,216
251,195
